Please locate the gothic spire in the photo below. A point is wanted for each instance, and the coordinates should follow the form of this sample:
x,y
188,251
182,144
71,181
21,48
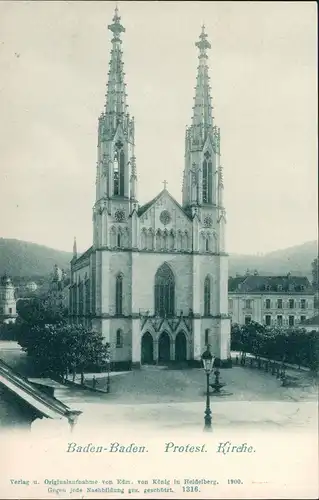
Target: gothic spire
x,y
116,95
202,109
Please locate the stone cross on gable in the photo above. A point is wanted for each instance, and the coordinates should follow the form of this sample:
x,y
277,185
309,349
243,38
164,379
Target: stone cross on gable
x,y
165,184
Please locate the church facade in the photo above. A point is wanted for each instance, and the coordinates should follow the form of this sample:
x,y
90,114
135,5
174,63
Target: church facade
x,y
155,281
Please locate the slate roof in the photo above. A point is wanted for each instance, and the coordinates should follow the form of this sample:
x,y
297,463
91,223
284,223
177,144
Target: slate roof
x,y
278,284
84,255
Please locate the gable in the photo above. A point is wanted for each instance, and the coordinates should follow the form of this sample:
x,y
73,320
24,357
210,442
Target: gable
x,y
164,212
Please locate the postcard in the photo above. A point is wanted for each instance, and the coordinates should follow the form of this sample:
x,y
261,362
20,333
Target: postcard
x,y
159,307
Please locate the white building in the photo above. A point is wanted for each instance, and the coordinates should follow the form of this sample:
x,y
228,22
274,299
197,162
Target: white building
x,y
281,301
8,313
155,280
32,286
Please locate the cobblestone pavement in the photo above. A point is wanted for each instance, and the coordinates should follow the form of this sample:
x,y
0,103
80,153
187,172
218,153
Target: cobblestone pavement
x,y
160,384
174,398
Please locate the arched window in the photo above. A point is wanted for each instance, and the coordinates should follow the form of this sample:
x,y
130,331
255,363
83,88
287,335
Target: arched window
x,y
158,239
119,294
207,296
150,240
207,178
206,336
87,297
171,240
118,239
81,298
164,240
113,237
179,241
164,291
93,303
118,171
75,300
144,239
186,241
122,168
207,244
119,338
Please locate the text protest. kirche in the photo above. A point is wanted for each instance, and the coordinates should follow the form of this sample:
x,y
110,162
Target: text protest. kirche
x,y
224,447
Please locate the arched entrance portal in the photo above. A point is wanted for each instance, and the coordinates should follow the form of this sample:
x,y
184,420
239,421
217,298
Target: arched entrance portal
x,y
164,348
147,355
180,347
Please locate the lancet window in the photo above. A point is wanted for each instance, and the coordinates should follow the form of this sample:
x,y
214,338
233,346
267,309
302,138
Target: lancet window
x,y
207,178
164,291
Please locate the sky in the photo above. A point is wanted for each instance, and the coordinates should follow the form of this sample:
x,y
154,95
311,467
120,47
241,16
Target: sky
x,y
263,67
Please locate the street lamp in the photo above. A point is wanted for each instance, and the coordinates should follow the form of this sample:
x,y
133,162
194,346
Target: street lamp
x,y
207,360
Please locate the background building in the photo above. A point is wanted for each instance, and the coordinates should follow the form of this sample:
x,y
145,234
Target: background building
x,y
270,300
8,313
155,280
58,292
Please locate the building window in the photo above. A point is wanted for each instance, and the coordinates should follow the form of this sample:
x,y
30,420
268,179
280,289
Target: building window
x,y
291,303
207,245
279,320
118,171
291,321
268,304
74,300
247,320
230,303
87,297
302,318
279,303
164,291
81,298
268,320
207,296
93,291
119,294
119,338
119,240
207,178
248,303
206,336
303,303
10,310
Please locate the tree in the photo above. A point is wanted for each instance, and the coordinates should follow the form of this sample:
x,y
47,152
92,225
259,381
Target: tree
x,y
37,311
61,348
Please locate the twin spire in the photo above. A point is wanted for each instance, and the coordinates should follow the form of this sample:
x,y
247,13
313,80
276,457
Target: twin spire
x,y
116,88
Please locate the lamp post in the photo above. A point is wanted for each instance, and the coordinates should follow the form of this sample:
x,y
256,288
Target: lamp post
x,y
207,360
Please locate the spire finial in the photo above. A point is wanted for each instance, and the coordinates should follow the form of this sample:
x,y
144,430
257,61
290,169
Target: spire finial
x,y
116,27
203,43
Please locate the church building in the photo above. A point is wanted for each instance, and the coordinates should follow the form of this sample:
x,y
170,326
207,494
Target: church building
x,y
154,282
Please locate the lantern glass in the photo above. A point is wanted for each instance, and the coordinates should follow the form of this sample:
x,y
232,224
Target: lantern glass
x,y
207,360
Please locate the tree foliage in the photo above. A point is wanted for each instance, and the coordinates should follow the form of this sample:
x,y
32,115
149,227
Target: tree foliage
x,y
56,346
37,311
291,345
61,348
